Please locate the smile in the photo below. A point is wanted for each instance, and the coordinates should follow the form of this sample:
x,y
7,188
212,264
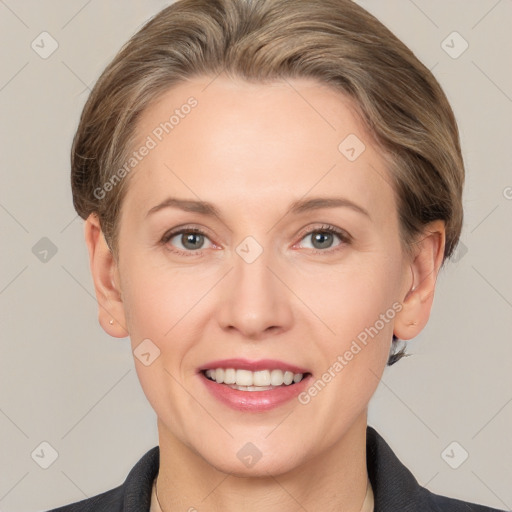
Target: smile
x,y
254,386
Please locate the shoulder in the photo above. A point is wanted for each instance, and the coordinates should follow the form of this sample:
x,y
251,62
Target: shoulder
x,y
111,501
395,487
134,495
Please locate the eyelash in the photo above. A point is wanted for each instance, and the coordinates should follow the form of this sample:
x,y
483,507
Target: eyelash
x,y
326,228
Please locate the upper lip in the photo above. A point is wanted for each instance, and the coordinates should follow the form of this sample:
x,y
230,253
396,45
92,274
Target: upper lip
x,y
253,366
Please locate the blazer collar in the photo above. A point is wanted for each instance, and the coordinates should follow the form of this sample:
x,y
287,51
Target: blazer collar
x,y
394,486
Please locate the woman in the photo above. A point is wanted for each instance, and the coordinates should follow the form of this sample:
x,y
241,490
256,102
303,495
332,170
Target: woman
x,y
269,189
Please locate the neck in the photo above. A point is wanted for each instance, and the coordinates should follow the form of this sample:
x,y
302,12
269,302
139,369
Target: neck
x,y
335,479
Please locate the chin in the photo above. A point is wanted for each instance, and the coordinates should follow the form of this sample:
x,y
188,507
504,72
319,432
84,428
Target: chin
x,y
271,465
259,454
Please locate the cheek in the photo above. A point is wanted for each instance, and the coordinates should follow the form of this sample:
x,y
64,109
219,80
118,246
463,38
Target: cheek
x,y
159,306
169,307
360,307
354,297
155,302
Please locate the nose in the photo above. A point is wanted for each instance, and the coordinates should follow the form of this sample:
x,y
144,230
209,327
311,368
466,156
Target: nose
x,y
255,300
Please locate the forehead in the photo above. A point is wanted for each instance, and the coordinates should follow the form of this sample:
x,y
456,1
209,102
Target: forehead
x,y
216,138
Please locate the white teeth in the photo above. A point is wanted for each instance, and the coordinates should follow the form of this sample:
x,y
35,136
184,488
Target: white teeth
x,y
261,378
243,378
247,380
288,378
230,376
276,378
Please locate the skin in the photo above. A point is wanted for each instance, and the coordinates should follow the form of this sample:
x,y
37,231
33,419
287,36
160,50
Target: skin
x,y
251,150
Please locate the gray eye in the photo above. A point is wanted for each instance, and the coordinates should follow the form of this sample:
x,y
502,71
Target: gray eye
x,y
189,240
321,239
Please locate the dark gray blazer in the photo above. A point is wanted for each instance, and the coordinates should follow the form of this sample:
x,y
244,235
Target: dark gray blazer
x,y
394,487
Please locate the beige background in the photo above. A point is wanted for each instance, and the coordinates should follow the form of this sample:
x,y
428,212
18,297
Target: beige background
x,y
65,382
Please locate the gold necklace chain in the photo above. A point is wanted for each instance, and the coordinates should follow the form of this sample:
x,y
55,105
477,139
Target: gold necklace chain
x,y
156,494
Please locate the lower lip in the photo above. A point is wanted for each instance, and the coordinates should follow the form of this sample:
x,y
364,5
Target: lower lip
x,y
254,401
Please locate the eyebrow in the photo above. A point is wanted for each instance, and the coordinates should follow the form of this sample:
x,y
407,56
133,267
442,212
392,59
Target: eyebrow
x,y
297,207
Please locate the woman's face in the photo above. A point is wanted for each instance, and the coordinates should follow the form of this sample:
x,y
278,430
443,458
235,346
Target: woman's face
x,y
299,269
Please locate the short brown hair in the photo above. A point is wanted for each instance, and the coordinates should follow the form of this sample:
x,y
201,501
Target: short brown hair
x,y
335,42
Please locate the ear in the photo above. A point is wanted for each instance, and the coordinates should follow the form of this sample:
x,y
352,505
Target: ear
x,y
105,275
426,261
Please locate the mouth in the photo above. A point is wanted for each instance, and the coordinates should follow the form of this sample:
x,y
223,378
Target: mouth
x,y
254,386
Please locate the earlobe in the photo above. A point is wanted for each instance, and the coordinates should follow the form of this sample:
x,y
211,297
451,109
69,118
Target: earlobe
x,y
106,281
419,295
